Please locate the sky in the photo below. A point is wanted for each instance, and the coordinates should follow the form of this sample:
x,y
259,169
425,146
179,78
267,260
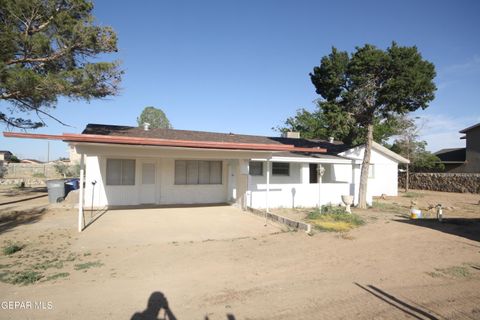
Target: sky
x,y
243,66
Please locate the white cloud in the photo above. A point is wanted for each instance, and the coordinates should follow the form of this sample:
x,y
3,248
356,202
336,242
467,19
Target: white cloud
x,y
471,65
441,131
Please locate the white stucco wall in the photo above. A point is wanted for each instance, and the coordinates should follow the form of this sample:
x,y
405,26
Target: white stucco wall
x,y
166,192
385,177
296,190
285,191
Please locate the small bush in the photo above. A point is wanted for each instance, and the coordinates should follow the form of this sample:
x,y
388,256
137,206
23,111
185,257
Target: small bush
x,y
87,265
11,248
67,170
25,277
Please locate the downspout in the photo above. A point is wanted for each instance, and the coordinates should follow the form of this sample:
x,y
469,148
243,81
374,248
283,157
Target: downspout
x,y
80,195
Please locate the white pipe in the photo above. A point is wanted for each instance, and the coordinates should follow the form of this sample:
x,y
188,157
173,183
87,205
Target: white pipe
x,y
80,195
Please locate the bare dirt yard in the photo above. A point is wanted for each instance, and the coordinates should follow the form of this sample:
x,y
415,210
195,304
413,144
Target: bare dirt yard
x,y
388,268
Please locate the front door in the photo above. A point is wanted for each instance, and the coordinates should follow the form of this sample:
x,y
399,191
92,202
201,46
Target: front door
x,y
148,183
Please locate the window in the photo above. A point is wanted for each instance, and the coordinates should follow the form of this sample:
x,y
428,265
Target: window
x,y
371,171
255,168
313,173
120,172
198,172
280,168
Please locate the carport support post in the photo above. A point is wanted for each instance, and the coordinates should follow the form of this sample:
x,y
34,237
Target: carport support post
x,y
80,195
267,205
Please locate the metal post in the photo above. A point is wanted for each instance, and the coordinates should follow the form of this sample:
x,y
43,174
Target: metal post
x,y
268,185
80,195
320,172
267,205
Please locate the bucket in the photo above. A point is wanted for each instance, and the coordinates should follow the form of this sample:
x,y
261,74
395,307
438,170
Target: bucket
x,y
415,214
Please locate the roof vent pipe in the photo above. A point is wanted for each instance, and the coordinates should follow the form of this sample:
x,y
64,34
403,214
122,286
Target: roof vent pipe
x,y
330,140
145,126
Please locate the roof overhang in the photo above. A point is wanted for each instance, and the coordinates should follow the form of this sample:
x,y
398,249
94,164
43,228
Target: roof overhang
x,y
470,128
307,159
93,138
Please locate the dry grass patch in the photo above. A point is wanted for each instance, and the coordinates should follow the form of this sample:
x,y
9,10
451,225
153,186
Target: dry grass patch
x,y
334,219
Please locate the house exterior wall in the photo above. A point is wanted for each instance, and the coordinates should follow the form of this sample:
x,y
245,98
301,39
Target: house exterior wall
x,y
385,175
166,192
237,186
297,191
472,164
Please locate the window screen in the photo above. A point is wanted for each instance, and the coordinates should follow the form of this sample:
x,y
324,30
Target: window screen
x,y
198,172
255,168
120,172
280,168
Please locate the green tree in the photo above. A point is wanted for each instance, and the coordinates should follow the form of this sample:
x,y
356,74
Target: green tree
x,y
155,117
46,48
328,120
14,159
373,85
409,146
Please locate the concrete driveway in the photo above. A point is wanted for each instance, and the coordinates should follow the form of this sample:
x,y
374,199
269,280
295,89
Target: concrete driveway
x,y
169,225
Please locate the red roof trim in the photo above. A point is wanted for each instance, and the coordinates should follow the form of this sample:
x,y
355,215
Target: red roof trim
x,y
93,138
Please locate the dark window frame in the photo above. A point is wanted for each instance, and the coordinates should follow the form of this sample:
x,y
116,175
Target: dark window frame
x,y
278,169
258,163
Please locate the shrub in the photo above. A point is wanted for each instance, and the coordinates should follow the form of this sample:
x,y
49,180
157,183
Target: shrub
x,y
26,277
67,170
11,248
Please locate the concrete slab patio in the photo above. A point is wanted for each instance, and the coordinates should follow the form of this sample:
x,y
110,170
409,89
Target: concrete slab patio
x,y
173,224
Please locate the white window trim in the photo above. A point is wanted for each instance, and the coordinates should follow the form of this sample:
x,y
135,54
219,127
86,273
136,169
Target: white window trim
x,y
121,172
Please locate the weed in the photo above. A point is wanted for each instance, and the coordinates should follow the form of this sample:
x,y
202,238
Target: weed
x,y
57,276
388,207
11,248
24,277
48,264
412,194
454,272
338,222
87,265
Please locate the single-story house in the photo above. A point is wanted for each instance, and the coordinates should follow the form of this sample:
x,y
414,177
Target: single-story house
x,y
5,155
125,165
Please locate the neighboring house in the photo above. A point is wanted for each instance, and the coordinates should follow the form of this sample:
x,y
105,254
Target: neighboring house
x,y
5,155
466,159
132,166
31,161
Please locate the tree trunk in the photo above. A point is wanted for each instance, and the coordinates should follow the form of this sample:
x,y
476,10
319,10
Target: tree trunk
x,y
362,194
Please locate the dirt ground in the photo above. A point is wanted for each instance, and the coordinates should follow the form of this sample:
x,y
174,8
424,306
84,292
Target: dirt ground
x,y
390,268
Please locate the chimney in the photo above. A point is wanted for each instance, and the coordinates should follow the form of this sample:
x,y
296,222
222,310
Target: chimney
x,y
145,126
330,140
291,134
